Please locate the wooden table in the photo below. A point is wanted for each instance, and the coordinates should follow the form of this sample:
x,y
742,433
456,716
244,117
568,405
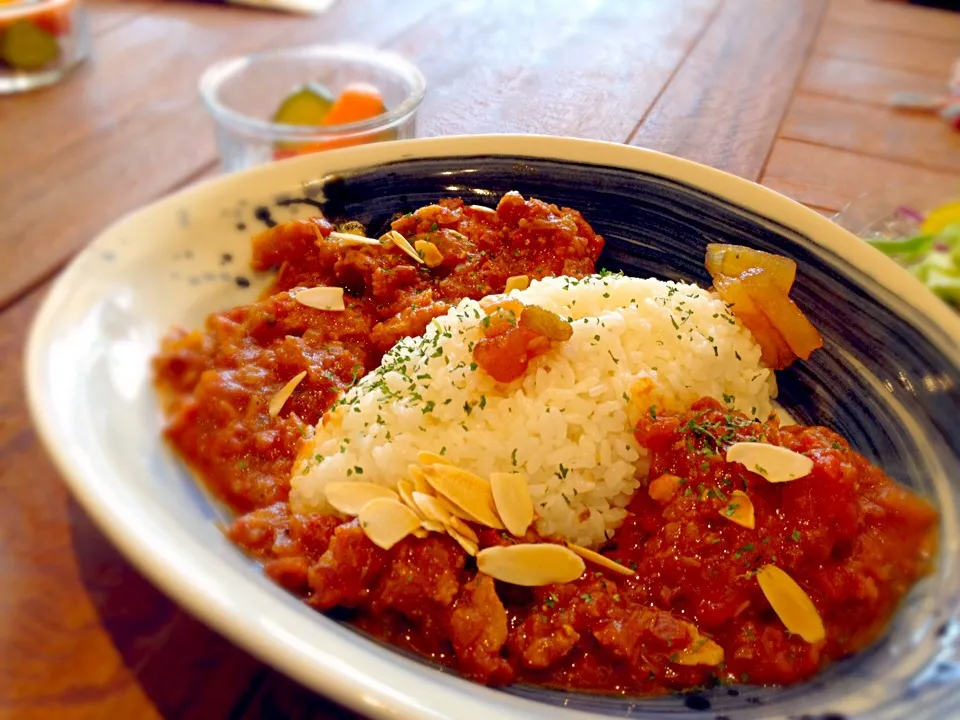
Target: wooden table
x,y
786,92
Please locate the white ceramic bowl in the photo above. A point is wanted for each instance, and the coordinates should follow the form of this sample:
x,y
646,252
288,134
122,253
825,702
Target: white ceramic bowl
x,y
90,392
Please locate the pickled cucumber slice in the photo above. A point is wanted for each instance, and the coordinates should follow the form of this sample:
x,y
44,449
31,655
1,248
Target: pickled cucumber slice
x,y
306,106
24,46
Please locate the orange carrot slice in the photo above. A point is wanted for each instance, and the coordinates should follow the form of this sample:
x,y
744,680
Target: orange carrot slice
x,y
357,102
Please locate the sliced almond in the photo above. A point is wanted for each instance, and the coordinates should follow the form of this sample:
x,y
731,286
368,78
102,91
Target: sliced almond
x,y
429,506
791,604
452,509
322,298
420,483
405,489
740,510
280,397
457,525
702,651
429,252
350,497
601,560
531,565
429,458
469,492
468,545
352,239
433,526
511,497
401,242
517,282
386,522
774,463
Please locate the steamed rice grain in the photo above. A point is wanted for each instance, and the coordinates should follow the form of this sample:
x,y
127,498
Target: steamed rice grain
x,y
567,423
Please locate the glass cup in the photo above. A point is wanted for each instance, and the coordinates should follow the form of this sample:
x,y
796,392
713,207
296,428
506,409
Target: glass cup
x,y
244,94
40,42
895,210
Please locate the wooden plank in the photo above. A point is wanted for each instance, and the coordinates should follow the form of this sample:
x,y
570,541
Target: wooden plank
x,y
897,17
562,68
112,140
854,80
106,15
878,132
931,56
83,634
828,178
726,102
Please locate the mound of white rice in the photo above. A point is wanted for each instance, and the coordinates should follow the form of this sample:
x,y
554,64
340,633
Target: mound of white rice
x,y
568,423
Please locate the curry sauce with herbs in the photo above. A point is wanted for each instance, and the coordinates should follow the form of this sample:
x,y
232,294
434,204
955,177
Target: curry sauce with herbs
x,y
712,544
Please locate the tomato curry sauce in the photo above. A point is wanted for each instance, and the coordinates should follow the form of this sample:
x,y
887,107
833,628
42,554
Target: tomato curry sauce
x,y
847,534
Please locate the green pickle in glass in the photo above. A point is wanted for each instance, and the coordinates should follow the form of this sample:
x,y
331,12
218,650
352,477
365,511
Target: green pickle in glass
x,y
40,42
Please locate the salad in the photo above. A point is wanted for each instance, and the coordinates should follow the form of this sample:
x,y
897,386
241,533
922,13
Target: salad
x,y
928,245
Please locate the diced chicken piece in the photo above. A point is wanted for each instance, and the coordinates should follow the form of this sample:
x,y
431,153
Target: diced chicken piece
x,y
312,533
478,630
289,573
645,631
412,320
542,641
260,530
423,577
348,569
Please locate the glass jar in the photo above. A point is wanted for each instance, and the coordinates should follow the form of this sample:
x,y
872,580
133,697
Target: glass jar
x,y
243,96
40,42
